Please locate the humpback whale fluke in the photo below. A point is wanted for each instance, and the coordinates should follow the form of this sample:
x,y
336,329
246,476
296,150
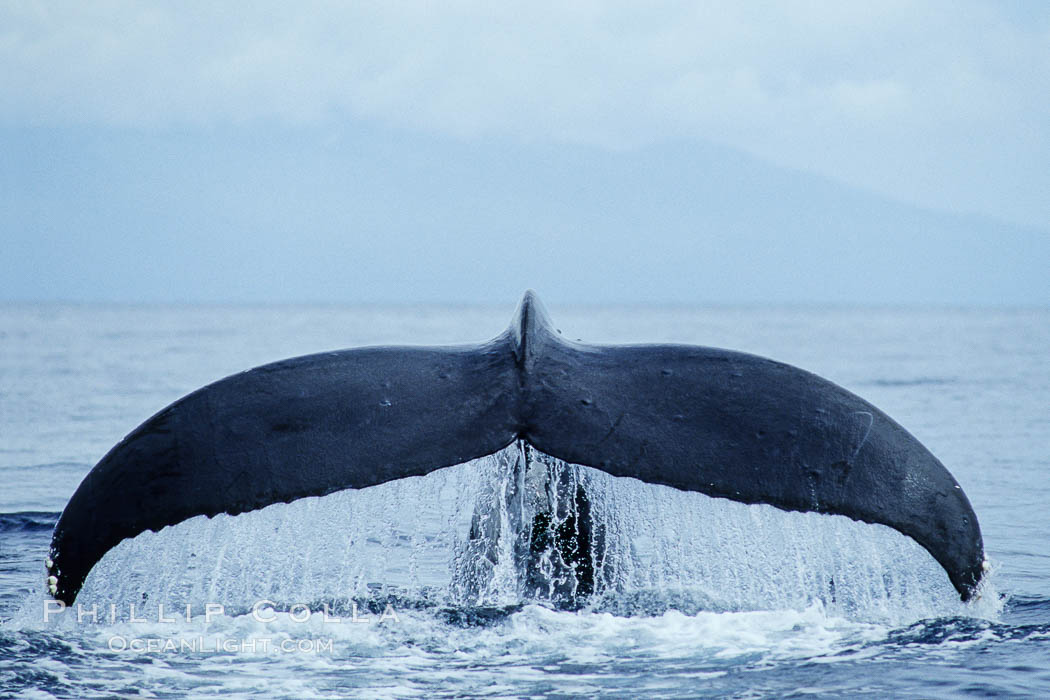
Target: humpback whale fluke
x,y
723,423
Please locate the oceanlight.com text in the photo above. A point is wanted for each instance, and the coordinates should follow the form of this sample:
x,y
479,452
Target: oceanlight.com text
x,y
206,645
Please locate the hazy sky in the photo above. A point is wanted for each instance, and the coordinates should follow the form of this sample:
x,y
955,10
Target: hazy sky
x,y
731,152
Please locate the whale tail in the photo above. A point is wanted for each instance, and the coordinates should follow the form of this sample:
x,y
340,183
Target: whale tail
x,y
707,420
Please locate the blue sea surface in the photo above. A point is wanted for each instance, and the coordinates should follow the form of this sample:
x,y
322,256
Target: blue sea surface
x,y
972,384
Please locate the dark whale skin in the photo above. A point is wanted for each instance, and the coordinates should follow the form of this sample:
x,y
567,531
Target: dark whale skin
x,y
723,423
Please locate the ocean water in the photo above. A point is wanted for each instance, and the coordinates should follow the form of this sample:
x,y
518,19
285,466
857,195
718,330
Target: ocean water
x,y
703,597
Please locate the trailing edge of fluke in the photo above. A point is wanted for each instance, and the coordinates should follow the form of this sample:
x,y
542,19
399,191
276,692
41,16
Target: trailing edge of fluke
x,y
723,423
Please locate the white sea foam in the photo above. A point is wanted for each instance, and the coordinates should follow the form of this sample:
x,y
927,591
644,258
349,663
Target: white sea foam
x,y
419,652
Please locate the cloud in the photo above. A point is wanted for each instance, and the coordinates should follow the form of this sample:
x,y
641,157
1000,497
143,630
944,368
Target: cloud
x,y
935,103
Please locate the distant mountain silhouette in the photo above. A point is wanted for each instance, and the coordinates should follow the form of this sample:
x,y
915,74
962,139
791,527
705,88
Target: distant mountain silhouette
x,y
359,213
